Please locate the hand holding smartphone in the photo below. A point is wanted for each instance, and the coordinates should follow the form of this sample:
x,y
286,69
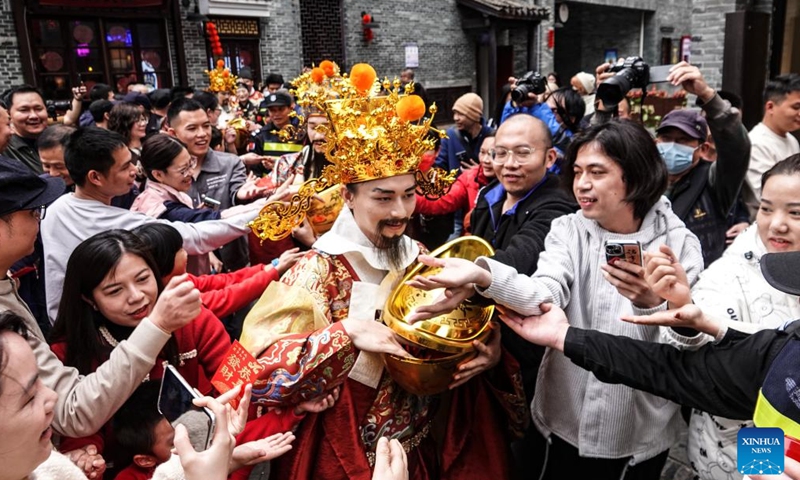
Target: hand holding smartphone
x,y
175,402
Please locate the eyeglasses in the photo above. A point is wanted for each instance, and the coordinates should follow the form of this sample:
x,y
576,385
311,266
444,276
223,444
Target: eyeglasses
x,y
39,213
143,119
521,154
187,171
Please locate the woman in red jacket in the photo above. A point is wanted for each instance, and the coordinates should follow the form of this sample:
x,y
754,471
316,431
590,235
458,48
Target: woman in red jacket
x,y
464,192
110,286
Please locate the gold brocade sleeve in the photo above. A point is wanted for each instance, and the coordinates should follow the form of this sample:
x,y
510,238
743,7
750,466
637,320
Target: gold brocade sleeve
x,y
294,332
298,303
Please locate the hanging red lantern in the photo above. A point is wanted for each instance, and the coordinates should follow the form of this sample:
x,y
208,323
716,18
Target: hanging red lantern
x,y
367,24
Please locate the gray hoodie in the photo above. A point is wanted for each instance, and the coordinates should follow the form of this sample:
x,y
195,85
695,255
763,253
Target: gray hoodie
x,y
601,420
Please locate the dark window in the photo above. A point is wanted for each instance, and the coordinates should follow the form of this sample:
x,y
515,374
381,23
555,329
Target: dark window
x,y
70,51
321,23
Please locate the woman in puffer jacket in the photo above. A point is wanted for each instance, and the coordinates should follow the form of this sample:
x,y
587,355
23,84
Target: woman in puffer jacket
x,y
734,289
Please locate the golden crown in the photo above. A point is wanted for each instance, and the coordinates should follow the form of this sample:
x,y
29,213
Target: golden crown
x,y
220,79
312,89
369,137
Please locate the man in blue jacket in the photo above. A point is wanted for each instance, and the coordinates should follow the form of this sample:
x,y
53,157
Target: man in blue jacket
x,y
460,149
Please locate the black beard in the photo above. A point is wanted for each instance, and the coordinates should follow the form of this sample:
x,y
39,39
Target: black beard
x,y
390,249
315,164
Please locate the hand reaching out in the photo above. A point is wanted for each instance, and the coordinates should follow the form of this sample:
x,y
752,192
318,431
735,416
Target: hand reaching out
x,y
390,461
372,336
457,277
667,278
287,259
178,304
236,418
264,450
488,357
548,329
88,460
213,463
687,316
319,404
628,279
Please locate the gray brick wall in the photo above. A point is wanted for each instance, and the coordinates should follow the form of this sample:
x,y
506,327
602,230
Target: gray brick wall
x,y
281,39
176,76
546,55
10,65
708,27
595,26
446,53
195,52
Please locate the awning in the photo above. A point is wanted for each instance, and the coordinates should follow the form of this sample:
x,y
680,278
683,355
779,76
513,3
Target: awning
x,y
507,9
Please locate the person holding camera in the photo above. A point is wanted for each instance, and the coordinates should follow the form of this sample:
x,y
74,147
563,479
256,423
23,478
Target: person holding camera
x,y
703,193
587,429
562,111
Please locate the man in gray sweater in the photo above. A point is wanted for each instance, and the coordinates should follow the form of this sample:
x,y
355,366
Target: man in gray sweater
x,y
100,164
590,429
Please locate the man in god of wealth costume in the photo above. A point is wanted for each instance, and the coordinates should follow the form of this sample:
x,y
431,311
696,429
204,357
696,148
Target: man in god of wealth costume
x,y
316,329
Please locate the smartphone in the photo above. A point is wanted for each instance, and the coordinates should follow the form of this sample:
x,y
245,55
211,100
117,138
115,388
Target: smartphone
x,y
659,73
211,203
628,250
175,403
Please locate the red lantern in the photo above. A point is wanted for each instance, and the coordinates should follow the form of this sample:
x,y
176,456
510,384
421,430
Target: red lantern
x,y
366,24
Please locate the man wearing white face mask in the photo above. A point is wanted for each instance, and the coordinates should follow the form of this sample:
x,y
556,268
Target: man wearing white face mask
x,y
703,193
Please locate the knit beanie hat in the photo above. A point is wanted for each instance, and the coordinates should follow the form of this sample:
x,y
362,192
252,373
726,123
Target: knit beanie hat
x,y
470,105
587,81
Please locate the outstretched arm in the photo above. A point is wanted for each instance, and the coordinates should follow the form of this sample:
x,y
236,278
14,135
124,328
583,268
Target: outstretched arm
x,y
722,379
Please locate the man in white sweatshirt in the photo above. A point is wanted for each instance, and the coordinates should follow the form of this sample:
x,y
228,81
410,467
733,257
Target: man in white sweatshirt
x,y
771,139
100,164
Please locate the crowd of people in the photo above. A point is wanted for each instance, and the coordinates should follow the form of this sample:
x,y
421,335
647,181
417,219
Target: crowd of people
x,y
171,227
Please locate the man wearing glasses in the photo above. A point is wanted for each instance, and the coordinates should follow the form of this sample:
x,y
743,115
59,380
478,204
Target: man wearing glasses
x,y
514,212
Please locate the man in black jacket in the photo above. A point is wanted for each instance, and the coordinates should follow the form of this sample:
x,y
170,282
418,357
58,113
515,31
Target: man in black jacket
x,y
703,193
514,213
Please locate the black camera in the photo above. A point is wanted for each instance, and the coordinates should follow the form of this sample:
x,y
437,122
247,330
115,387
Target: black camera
x,y
631,72
531,82
55,106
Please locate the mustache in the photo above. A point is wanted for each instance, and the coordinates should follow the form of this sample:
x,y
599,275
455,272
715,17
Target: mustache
x,y
385,222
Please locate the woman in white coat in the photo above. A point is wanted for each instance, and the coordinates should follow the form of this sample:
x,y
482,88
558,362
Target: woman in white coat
x,y
733,289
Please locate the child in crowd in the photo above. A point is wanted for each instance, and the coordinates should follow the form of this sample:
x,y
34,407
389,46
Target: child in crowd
x,y
142,433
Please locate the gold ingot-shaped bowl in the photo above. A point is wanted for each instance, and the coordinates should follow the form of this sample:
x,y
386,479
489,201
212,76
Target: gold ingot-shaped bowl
x,y
425,376
325,209
453,332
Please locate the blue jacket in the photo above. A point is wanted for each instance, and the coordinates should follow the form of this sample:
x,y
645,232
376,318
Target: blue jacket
x,y
453,148
561,135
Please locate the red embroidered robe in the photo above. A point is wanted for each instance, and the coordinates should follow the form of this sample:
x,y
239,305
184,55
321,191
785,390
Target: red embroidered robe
x,y
308,353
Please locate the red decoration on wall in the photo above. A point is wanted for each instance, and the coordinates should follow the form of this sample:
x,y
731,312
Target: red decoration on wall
x,y
213,39
551,38
366,23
